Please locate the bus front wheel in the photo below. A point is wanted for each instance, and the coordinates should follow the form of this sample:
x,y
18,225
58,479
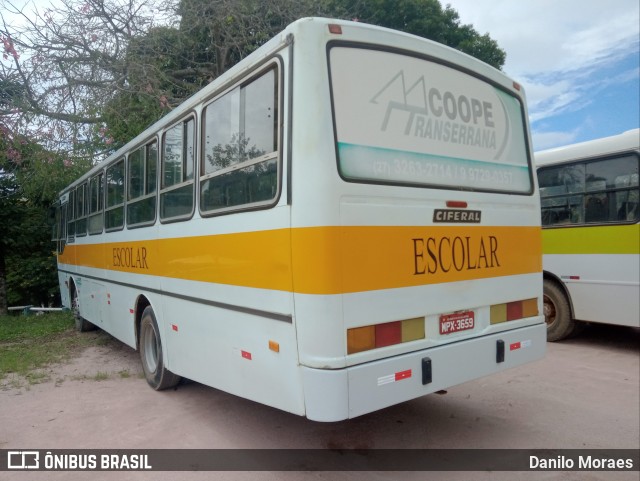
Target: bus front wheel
x,y
557,312
157,375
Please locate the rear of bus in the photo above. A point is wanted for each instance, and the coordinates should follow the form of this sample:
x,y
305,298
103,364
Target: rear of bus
x,y
416,245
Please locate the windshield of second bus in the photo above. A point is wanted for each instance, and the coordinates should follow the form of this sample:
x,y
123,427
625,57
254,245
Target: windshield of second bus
x,y
405,120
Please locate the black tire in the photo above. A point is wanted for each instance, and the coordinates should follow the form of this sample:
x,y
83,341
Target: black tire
x,y
157,375
557,312
82,325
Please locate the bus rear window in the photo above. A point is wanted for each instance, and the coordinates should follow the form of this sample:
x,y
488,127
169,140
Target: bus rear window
x,y
406,120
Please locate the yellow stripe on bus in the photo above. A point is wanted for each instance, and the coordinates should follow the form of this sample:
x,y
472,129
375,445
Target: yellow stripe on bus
x,y
254,259
327,260
614,239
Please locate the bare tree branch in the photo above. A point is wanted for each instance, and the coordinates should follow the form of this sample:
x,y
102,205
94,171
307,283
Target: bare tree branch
x,y
60,65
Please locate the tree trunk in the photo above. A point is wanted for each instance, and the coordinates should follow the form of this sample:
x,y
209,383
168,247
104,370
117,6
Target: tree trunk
x,y
3,285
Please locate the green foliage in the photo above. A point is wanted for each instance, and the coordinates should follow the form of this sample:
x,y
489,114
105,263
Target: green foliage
x,y
128,114
9,92
32,277
26,249
30,180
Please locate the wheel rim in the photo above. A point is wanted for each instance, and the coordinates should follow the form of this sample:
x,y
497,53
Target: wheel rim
x,y
151,349
549,311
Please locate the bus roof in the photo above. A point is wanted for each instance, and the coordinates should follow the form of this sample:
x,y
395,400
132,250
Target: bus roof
x,y
626,141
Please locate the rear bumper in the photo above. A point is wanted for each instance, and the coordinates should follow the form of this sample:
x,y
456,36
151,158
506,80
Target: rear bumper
x,y
334,395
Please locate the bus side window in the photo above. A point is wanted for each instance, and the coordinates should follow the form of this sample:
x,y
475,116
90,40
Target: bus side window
x,y
114,212
96,204
71,225
627,197
596,208
141,196
560,191
240,160
178,157
81,210
612,189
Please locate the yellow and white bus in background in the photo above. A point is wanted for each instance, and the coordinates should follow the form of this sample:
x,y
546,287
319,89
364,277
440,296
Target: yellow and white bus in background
x,y
591,235
345,220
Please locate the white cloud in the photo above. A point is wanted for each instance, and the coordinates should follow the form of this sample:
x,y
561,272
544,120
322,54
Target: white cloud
x,y
561,51
552,35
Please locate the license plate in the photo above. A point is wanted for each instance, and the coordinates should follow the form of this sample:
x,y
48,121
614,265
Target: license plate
x,y
456,322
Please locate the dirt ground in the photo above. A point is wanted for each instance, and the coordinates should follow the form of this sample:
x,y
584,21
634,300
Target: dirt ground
x,y
584,394
105,359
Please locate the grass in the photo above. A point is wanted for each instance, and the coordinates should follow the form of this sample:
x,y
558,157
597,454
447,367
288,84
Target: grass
x,y
101,376
31,342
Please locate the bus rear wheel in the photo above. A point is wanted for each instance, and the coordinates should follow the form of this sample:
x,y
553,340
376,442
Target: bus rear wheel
x,y
158,377
557,312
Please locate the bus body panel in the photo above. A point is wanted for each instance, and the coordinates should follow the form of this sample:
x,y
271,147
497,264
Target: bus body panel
x,y
240,361
590,278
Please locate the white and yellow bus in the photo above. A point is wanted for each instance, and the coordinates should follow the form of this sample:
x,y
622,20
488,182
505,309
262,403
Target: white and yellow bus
x,y
345,220
591,235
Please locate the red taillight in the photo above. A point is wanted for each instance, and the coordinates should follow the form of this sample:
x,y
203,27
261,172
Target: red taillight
x,y
458,204
514,310
388,334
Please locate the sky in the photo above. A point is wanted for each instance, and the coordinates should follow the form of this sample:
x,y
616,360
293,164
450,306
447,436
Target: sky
x,y
578,61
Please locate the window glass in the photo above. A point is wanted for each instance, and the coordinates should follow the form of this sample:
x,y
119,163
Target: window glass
x,y
259,134
555,184
71,224
240,128
114,214
178,156
136,173
173,156
562,180
96,196
152,168
405,120
221,131
141,211
141,208
594,192
255,183
80,200
115,184
96,188
189,149
81,214
612,173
